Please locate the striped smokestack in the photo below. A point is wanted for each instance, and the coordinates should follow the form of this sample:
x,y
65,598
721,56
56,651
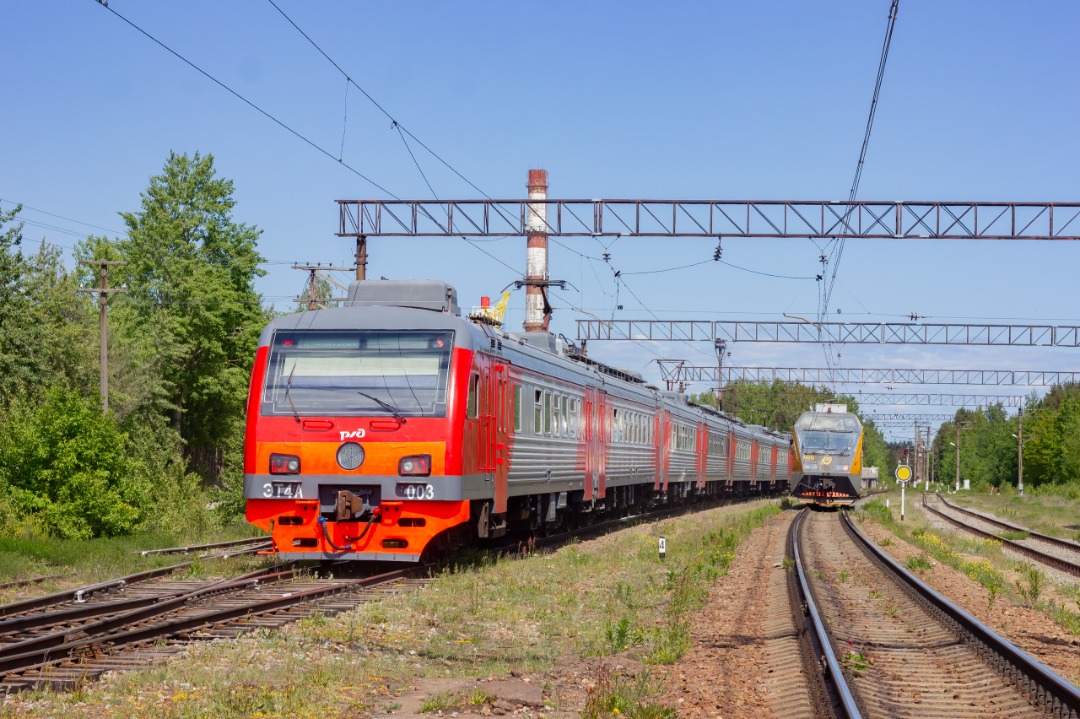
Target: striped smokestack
x,y
537,309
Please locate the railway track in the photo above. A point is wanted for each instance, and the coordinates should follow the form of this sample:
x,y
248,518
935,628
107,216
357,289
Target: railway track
x,y
216,550
1051,551
899,649
63,648
65,639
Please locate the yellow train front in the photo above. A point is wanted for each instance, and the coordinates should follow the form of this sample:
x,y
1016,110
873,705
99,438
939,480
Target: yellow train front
x,y
827,456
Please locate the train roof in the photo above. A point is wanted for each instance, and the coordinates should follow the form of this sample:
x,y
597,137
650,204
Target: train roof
x,y
432,305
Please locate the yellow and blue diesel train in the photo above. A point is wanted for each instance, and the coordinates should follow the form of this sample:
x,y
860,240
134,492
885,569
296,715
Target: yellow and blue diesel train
x,y
827,456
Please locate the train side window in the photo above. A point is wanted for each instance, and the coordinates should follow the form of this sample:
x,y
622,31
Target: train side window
x,y
565,420
517,407
538,409
574,417
556,408
474,392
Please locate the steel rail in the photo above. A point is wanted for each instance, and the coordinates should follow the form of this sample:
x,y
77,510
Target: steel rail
x,y
846,702
44,656
47,642
201,547
30,580
1043,687
1048,559
1056,541
80,594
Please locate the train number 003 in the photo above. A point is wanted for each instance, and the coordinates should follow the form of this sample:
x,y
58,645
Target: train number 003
x,y
415,491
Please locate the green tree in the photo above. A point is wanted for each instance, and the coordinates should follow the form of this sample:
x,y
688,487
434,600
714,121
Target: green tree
x,y
20,339
190,275
1052,438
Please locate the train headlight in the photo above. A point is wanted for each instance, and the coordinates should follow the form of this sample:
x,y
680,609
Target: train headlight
x,y
415,466
284,464
350,455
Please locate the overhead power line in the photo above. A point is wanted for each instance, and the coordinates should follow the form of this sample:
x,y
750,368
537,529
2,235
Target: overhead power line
x,y
893,9
248,102
59,217
395,122
838,254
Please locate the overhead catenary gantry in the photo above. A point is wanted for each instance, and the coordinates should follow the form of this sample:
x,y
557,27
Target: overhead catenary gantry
x,y
820,219
680,371
873,333
539,217
941,400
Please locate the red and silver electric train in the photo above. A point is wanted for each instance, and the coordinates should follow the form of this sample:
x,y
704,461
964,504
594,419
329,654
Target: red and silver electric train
x,y
393,426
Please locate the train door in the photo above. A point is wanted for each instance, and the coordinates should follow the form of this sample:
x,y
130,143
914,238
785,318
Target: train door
x,y
755,450
605,417
731,458
702,453
597,429
494,407
773,452
663,428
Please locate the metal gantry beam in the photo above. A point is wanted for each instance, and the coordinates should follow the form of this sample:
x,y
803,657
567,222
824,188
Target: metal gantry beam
x,y
681,371
831,332
909,418
715,218
942,400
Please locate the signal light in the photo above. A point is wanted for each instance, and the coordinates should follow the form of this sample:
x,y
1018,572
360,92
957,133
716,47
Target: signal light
x,y
284,464
418,465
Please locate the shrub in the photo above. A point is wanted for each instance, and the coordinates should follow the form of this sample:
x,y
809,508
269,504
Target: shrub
x,y
66,465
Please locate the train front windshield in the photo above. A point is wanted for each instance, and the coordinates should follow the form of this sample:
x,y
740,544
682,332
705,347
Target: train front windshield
x,y
828,433
358,373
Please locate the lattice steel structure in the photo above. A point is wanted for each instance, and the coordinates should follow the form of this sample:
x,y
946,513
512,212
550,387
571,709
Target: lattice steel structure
x,y
715,218
909,418
831,332
681,371
941,400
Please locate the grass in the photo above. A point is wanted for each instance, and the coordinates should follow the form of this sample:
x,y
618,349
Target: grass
x,y
1013,534
592,600
614,696
1046,513
918,562
989,569
855,662
85,562
444,701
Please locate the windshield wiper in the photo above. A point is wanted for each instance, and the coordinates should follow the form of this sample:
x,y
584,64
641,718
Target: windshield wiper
x,y
385,405
288,386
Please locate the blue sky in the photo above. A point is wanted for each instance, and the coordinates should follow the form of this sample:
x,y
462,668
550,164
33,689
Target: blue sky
x,y
713,100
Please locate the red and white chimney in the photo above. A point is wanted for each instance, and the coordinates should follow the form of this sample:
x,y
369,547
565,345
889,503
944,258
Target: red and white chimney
x,y
537,309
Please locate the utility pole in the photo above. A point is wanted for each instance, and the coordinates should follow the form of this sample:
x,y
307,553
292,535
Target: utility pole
x,y
958,424
1020,452
918,441
103,292
928,459
721,347
316,270
361,257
